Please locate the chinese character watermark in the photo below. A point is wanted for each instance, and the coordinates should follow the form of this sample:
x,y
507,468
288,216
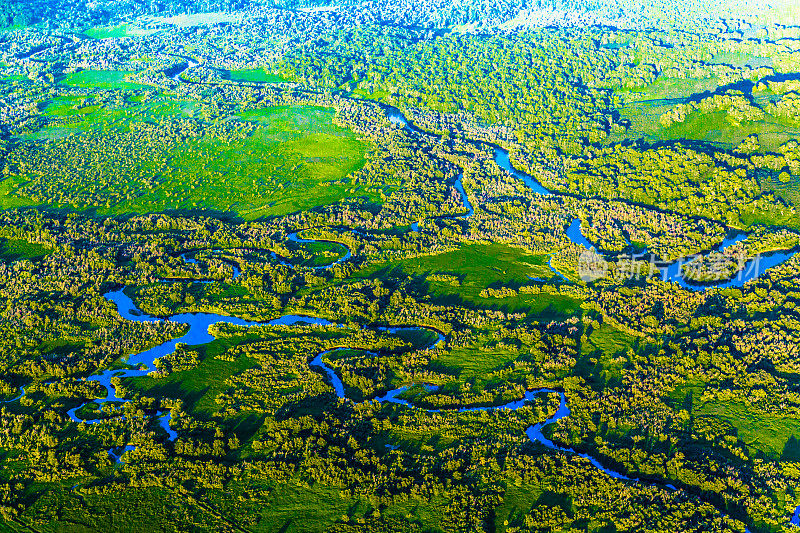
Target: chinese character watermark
x,y
707,269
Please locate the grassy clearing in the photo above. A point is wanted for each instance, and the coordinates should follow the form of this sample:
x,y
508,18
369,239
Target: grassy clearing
x,y
323,253
377,95
8,200
739,59
118,31
107,32
429,513
789,191
671,88
518,500
477,360
86,117
481,266
291,163
297,507
134,509
717,129
604,356
16,249
292,158
765,431
646,105
256,75
199,386
713,128
608,340
101,79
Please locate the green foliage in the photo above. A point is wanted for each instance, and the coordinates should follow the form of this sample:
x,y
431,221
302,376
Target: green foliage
x,y
656,140
16,249
257,75
152,157
101,79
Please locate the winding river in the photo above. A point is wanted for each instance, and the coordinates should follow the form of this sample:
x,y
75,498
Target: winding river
x,y
670,271
294,238
199,323
198,333
142,363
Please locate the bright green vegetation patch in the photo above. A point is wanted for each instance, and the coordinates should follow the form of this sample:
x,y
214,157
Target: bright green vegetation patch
x,y
69,106
373,95
418,338
15,78
608,340
256,75
739,59
481,266
101,79
67,115
714,128
671,88
133,509
288,164
645,107
61,346
321,253
605,356
517,502
769,432
776,216
163,154
120,30
94,411
520,499
199,386
789,191
296,507
106,32
478,359
16,249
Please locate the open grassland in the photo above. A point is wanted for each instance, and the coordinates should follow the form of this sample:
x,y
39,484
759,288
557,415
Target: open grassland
x,y
714,128
255,75
101,79
481,266
296,507
141,509
478,359
768,432
165,154
117,31
15,249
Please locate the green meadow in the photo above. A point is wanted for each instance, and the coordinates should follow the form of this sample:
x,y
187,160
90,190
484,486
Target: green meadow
x,y
767,432
255,75
102,79
16,249
118,31
288,159
483,266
